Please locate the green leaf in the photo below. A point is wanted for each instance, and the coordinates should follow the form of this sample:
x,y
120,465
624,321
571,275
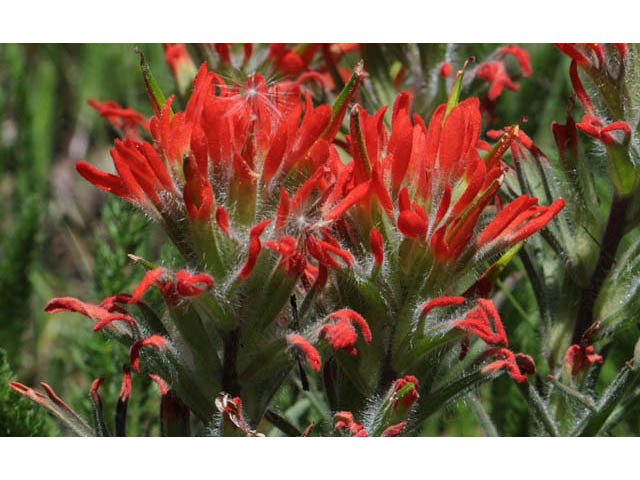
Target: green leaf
x,y
539,408
450,391
623,173
155,94
454,96
626,380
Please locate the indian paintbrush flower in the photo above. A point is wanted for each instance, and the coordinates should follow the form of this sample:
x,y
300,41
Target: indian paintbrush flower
x,y
249,185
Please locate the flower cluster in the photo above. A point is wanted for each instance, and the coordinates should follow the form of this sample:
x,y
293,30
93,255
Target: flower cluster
x,y
268,200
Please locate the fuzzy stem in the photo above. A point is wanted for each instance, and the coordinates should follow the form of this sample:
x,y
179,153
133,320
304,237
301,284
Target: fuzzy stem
x,y
612,236
230,383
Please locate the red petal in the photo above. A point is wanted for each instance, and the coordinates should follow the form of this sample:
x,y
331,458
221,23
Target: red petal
x,y
313,357
155,341
440,302
377,246
149,279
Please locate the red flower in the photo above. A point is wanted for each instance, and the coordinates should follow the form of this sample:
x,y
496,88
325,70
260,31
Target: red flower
x,y
155,341
496,74
521,56
593,127
478,322
587,55
376,244
162,385
344,421
100,314
254,249
404,403
440,302
579,358
516,222
394,430
342,335
313,357
515,365
445,70
173,287
177,57
591,124
293,261
231,408
126,120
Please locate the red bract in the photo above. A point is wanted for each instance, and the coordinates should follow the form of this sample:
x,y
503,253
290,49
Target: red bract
x,y
512,363
521,56
173,287
254,249
313,357
344,421
377,246
394,430
593,127
579,358
155,341
445,70
478,322
342,335
100,314
404,403
428,210
177,57
231,409
592,58
292,61
440,302
496,74
127,121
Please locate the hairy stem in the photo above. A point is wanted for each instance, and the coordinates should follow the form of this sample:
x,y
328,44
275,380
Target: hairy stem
x,y
612,236
230,383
